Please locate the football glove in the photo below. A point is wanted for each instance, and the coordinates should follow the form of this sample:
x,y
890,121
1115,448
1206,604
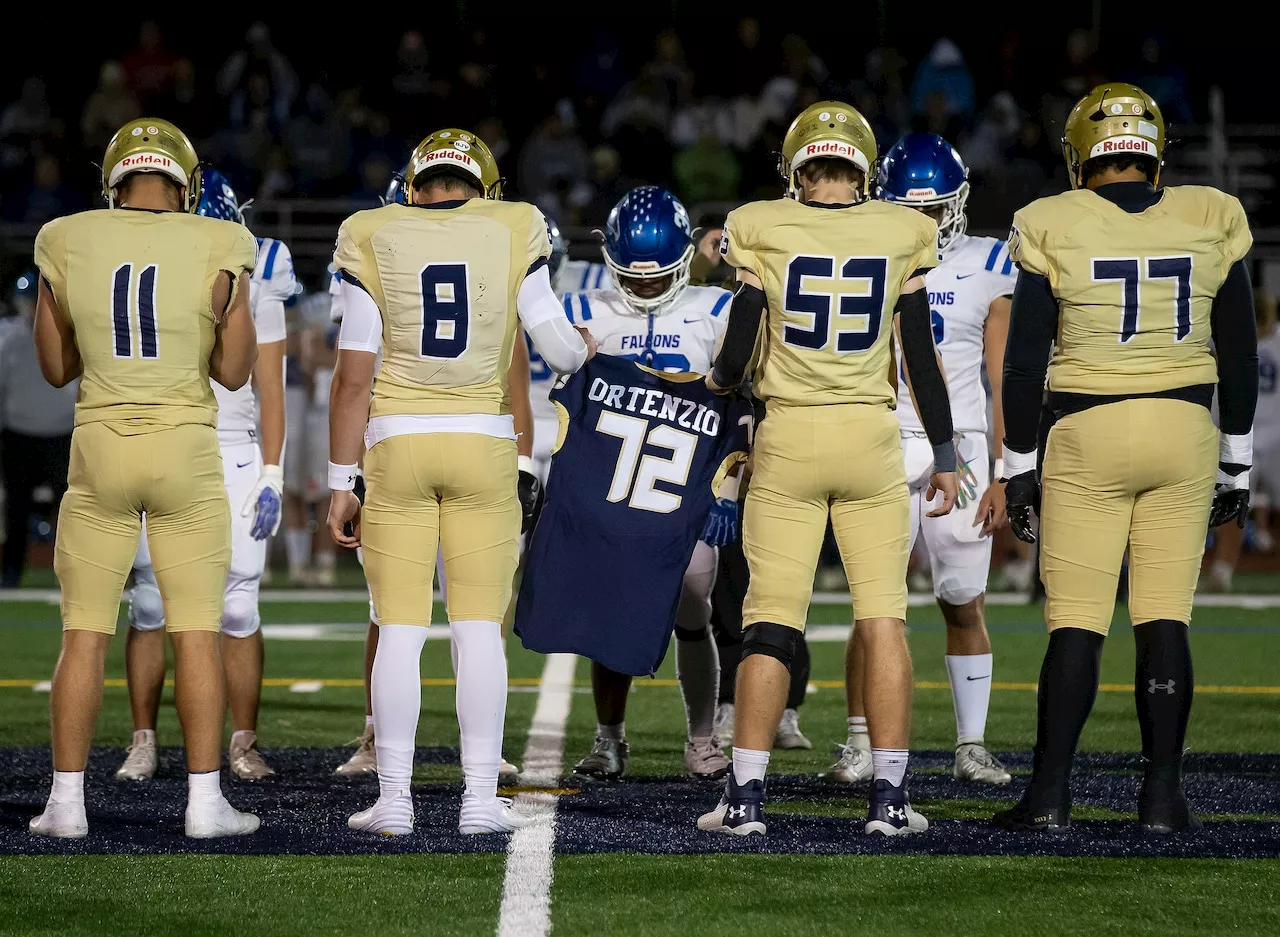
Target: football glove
x,y
1022,496
528,489
264,503
1230,495
721,527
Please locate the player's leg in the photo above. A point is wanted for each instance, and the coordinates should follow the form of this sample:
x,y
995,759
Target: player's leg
x,y
324,552
789,734
1086,504
144,658
607,759
1165,550
479,531
727,596
365,758
698,666
297,535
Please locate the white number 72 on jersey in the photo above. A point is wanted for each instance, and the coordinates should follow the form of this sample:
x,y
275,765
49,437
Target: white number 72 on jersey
x,y
635,434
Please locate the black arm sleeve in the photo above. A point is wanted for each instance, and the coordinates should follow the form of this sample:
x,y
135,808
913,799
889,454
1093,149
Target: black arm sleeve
x,y
1235,340
928,387
1033,324
740,335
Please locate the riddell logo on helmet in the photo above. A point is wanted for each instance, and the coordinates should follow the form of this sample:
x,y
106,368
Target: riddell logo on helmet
x,y
449,155
154,160
831,148
1124,145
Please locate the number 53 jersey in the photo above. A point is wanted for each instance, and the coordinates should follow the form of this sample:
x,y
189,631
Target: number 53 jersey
x,y
640,456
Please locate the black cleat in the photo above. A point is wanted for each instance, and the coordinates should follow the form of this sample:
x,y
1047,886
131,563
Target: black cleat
x,y
889,812
740,811
1162,804
1024,817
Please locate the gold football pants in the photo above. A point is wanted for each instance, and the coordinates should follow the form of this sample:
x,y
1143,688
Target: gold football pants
x,y
454,490
844,460
1139,474
175,477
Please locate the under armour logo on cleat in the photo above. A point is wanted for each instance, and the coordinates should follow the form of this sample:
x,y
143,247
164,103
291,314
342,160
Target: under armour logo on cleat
x,y
736,813
896,813
1152,686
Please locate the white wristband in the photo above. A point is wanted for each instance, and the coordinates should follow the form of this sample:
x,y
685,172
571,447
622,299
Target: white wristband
x,y
1236,450
342,477
997,471
524,464
1018,463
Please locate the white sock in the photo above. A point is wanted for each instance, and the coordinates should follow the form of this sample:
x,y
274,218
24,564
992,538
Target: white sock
x,y
204,786
859,738
749,765
368,720
889,764
397,699
68,787
698,672
297,547
481,673
616,732
970,693
327,560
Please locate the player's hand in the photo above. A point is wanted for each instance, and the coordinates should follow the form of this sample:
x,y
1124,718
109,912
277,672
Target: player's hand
x,y
1022,496
528,488
721,527
344,509
1230,497
264,503
991,510
713,386
592,345
948,485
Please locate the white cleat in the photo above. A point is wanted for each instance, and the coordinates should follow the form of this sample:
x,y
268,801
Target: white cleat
x,y
218,818
365,759
389,816
246,761
65,820
508,774
975,763
704,759
141,760
853,765
789,734
724,723
489,816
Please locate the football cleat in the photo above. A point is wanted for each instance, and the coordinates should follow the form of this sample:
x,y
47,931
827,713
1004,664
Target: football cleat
x,y
740,811
853,765
246,761
724,723
64,820
704,759
789,734
1162,804
975,763
1025,817
606,761
365,759
495,815
508,774
889,812
389,816
140,760
214,818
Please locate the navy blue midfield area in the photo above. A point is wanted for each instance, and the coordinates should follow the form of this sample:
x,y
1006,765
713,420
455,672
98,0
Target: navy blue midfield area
x,y
305,810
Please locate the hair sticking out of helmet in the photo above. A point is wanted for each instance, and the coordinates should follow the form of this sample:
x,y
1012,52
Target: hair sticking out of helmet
x,y
648,248
924,171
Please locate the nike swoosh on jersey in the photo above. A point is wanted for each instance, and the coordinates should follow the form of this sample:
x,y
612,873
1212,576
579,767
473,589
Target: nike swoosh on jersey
x,y
986,677
242,464
966,276
691,321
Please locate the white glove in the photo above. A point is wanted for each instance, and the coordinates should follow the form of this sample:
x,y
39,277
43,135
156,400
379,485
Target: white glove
x,y
265,502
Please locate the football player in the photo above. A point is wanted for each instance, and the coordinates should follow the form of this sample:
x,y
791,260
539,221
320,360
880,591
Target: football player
x,y
832,267
1127,283
969,293
652,316
254,481
148,301
435,288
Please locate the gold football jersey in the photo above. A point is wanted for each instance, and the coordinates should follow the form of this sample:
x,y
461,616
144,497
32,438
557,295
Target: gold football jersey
x,y
445,281
138,287
832,277
1134,290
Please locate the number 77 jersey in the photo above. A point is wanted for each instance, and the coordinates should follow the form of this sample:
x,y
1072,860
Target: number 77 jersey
x,y
639,458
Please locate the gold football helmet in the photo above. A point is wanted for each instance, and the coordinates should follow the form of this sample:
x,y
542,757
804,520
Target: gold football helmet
x,y
152,145
457,149
1112,118
831,129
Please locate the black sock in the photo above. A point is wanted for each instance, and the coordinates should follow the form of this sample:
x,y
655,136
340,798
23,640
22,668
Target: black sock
x,y
1162,688
799,675
1068,687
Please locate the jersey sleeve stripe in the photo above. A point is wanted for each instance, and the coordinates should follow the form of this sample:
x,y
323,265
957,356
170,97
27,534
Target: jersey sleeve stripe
x,y
271,260
720,304
568,306
586,307
599,276
586,277
994,255
1008,266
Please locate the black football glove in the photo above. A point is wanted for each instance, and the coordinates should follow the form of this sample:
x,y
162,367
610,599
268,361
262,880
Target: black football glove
x,y
1022,496
1230,495
529,491
349,528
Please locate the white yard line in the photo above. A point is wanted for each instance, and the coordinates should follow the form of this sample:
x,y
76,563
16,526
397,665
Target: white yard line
x,y
526,889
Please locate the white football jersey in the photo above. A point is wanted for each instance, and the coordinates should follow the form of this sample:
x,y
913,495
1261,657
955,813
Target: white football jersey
x,y
1266,421
575,276
974,271
271,283
578,276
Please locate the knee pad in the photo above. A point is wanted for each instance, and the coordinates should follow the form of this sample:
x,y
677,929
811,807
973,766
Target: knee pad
x,y
240,616
692,634
954,593
146,608
774,640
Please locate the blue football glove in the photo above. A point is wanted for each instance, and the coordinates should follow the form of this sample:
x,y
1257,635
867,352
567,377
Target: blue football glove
x,y
722,523
264,502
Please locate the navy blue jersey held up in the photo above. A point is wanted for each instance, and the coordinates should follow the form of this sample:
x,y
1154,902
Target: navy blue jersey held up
x,y
640,456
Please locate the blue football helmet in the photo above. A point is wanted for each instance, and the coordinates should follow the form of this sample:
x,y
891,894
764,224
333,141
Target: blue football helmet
x,y
924,171
217,198
559,249
648,247
396,191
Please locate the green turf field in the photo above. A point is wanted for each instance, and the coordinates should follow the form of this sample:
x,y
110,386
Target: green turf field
x,y
1236,710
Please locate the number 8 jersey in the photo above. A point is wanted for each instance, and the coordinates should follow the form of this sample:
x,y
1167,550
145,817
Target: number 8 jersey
x,y
832,274
445,278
